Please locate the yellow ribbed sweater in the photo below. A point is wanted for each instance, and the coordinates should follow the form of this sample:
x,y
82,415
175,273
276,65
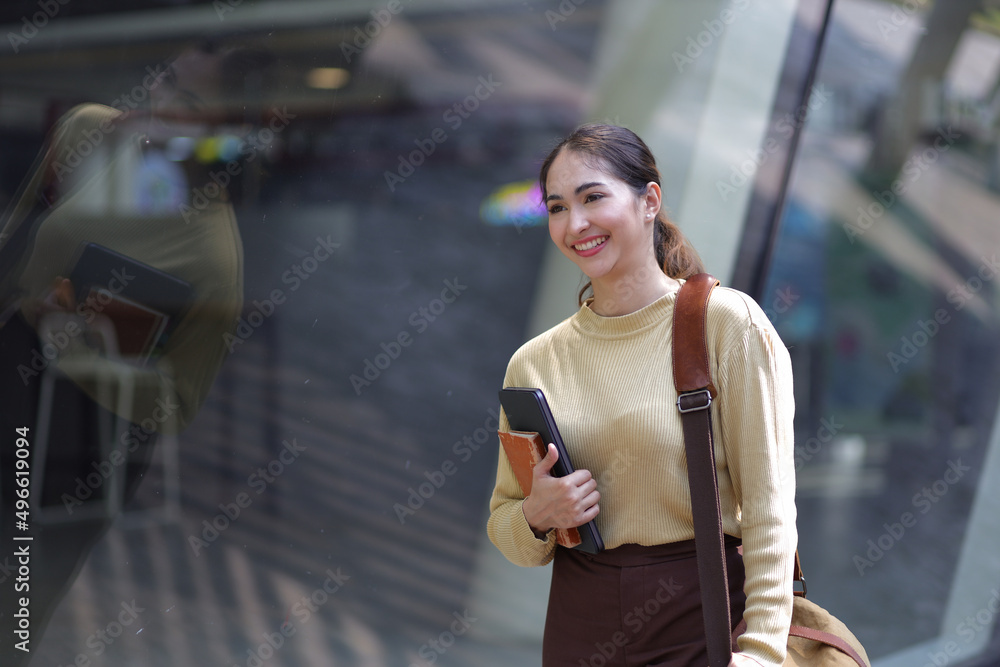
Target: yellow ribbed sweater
x,y
609,384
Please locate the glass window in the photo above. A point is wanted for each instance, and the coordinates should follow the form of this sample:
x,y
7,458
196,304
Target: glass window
x,y
887,264
263,263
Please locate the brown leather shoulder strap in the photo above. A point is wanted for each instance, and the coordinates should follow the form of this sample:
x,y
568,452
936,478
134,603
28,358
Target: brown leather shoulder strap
x,y
693,381
828,639
691,368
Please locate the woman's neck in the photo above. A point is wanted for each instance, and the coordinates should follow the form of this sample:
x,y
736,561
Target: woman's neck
x,y
622,295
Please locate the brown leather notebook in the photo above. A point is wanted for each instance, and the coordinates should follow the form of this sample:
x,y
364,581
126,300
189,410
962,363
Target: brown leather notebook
x,y
524,449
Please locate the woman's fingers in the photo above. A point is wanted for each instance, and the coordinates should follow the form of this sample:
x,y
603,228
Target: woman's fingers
x,y
560,502
579,500
544,467
62,288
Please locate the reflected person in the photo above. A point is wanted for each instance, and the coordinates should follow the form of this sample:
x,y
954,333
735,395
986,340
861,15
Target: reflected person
x,y
110,198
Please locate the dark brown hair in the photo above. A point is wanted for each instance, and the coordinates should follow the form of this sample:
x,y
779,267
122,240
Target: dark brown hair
x,y
620,152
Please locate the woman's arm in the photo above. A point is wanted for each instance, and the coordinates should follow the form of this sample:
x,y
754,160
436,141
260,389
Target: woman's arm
x,y
507,526
756,409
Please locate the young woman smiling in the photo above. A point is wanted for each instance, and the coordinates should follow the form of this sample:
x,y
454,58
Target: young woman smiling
x,y
606,372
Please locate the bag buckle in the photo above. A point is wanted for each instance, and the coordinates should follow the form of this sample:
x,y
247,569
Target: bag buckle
x,y
693,401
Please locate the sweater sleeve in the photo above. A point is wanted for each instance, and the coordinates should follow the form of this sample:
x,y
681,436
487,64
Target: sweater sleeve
x,y
756,410
507,527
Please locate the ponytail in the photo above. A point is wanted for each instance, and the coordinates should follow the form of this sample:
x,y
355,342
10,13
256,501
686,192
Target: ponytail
x,y
674,253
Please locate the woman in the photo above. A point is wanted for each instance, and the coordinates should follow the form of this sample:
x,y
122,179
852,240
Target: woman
x,y
101,179
606,372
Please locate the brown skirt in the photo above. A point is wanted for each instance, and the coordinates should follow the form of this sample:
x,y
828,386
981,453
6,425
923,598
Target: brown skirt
x,y
632,606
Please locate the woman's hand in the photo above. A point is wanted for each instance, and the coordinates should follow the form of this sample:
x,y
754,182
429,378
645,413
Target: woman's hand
x,y
559,502
59,299
743,660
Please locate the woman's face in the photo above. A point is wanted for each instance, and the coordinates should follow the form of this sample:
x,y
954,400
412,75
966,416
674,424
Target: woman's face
x,y
189,88
597,220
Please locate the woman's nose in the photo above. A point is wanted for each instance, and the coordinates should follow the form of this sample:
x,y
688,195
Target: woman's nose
x,y
578,220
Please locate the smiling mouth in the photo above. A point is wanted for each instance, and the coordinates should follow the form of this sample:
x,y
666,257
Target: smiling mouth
x,y
590,245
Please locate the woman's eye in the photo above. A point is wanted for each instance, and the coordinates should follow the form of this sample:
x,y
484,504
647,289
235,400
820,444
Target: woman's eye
x,y
555,208
593,196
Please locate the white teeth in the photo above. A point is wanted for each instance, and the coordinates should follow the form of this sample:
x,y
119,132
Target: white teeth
x,y
591,244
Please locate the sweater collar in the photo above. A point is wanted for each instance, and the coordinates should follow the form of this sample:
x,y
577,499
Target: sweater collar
x,y
587,322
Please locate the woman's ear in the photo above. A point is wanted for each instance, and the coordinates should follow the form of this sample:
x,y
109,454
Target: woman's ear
x,y
651,201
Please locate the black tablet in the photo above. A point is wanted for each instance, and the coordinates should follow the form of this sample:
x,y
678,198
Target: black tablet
x,y
143,303
527,410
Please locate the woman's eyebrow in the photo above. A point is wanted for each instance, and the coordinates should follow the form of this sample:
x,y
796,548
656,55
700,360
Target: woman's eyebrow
x,y
587,185
578,190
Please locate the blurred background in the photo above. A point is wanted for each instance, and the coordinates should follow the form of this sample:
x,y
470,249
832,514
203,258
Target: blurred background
x,y
362,184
